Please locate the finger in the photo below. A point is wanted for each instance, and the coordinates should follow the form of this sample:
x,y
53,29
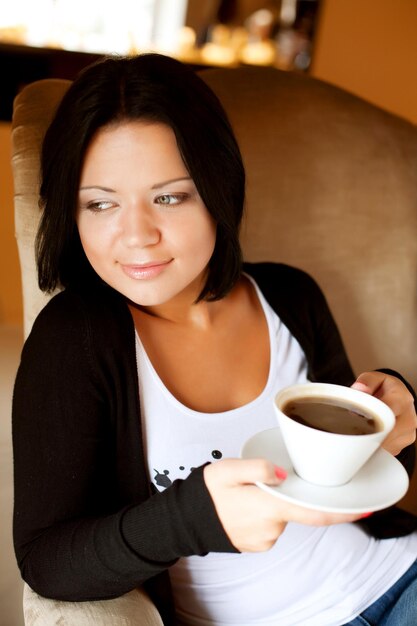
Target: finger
x,y
392,391
250,471
369,382
394,445
313,517
404,433
388,389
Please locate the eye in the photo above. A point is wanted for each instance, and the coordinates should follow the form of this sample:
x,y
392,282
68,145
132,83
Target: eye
x,y
96,206
170,199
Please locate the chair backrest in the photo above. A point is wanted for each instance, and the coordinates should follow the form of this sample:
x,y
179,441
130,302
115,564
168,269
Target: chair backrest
x,y
332,188
32,112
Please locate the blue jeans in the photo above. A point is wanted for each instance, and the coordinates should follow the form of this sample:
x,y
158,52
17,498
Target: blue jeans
x,y
397,607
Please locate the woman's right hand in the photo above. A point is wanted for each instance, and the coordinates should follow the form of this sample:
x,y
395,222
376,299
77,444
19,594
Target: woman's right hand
x,y
253,519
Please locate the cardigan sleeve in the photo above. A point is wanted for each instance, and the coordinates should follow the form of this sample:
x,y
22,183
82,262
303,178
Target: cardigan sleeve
x,y
77,535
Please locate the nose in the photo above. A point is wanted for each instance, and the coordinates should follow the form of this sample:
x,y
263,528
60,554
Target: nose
x,y
139,227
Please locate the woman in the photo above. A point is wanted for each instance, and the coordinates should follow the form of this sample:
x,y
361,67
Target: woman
x,y
160,358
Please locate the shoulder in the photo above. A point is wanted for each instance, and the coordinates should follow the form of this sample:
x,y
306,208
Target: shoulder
x,y
300,304
274,272
295,297
284,283
75,319
99,304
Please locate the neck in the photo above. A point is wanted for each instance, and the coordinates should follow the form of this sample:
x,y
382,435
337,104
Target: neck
x,y
200,315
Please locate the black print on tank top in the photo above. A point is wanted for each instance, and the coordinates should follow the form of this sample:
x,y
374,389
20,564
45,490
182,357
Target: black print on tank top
x,y
163,480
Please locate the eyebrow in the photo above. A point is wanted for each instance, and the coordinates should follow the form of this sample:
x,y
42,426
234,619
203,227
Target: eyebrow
x,y
156,186
168,182
98,187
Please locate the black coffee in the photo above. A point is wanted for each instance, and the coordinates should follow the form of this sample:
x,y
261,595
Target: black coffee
x,y
333,418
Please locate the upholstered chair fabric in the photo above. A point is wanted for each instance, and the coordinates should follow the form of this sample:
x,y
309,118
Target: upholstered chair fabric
x,y
132,609
32,113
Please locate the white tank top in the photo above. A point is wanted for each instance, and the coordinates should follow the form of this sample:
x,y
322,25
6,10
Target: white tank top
x,y
312,576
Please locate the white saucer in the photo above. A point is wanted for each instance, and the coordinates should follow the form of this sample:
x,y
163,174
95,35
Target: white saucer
x,y
381,482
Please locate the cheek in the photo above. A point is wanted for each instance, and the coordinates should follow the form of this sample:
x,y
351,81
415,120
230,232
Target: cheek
x,y
211,236
199,236
95,239
84,232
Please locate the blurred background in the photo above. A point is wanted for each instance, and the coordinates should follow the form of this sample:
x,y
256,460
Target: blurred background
x,y
368,47
58,37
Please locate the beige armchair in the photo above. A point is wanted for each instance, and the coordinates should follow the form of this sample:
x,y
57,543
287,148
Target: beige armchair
x,y
332,189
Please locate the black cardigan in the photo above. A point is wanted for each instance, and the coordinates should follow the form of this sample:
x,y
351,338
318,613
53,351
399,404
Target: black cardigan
x,y
86,526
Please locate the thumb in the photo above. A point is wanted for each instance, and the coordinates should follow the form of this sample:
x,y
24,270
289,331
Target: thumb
x,y
369,382
249,471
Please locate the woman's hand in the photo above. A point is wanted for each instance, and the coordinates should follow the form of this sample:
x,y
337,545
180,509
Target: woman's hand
x,y
253,519
395,394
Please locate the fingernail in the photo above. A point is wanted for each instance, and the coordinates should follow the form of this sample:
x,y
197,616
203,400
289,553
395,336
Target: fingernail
x,y
280,472
360,386
366,515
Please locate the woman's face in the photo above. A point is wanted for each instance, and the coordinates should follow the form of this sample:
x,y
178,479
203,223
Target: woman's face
x,y
142,223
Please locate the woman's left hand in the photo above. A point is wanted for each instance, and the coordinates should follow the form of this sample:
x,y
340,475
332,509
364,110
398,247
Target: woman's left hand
x,y
395,394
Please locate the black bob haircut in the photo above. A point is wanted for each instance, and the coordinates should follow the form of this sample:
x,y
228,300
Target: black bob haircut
x,y
149,87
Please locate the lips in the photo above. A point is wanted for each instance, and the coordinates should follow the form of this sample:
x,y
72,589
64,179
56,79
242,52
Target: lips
x,y
145,271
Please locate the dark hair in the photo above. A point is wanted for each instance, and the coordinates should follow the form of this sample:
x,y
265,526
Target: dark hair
x,y
155,88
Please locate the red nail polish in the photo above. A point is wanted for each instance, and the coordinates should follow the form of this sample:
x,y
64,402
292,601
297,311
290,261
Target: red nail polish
x,y
365,515
280,472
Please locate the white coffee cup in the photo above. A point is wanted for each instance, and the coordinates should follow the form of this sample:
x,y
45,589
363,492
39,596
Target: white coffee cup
x,y
329,458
